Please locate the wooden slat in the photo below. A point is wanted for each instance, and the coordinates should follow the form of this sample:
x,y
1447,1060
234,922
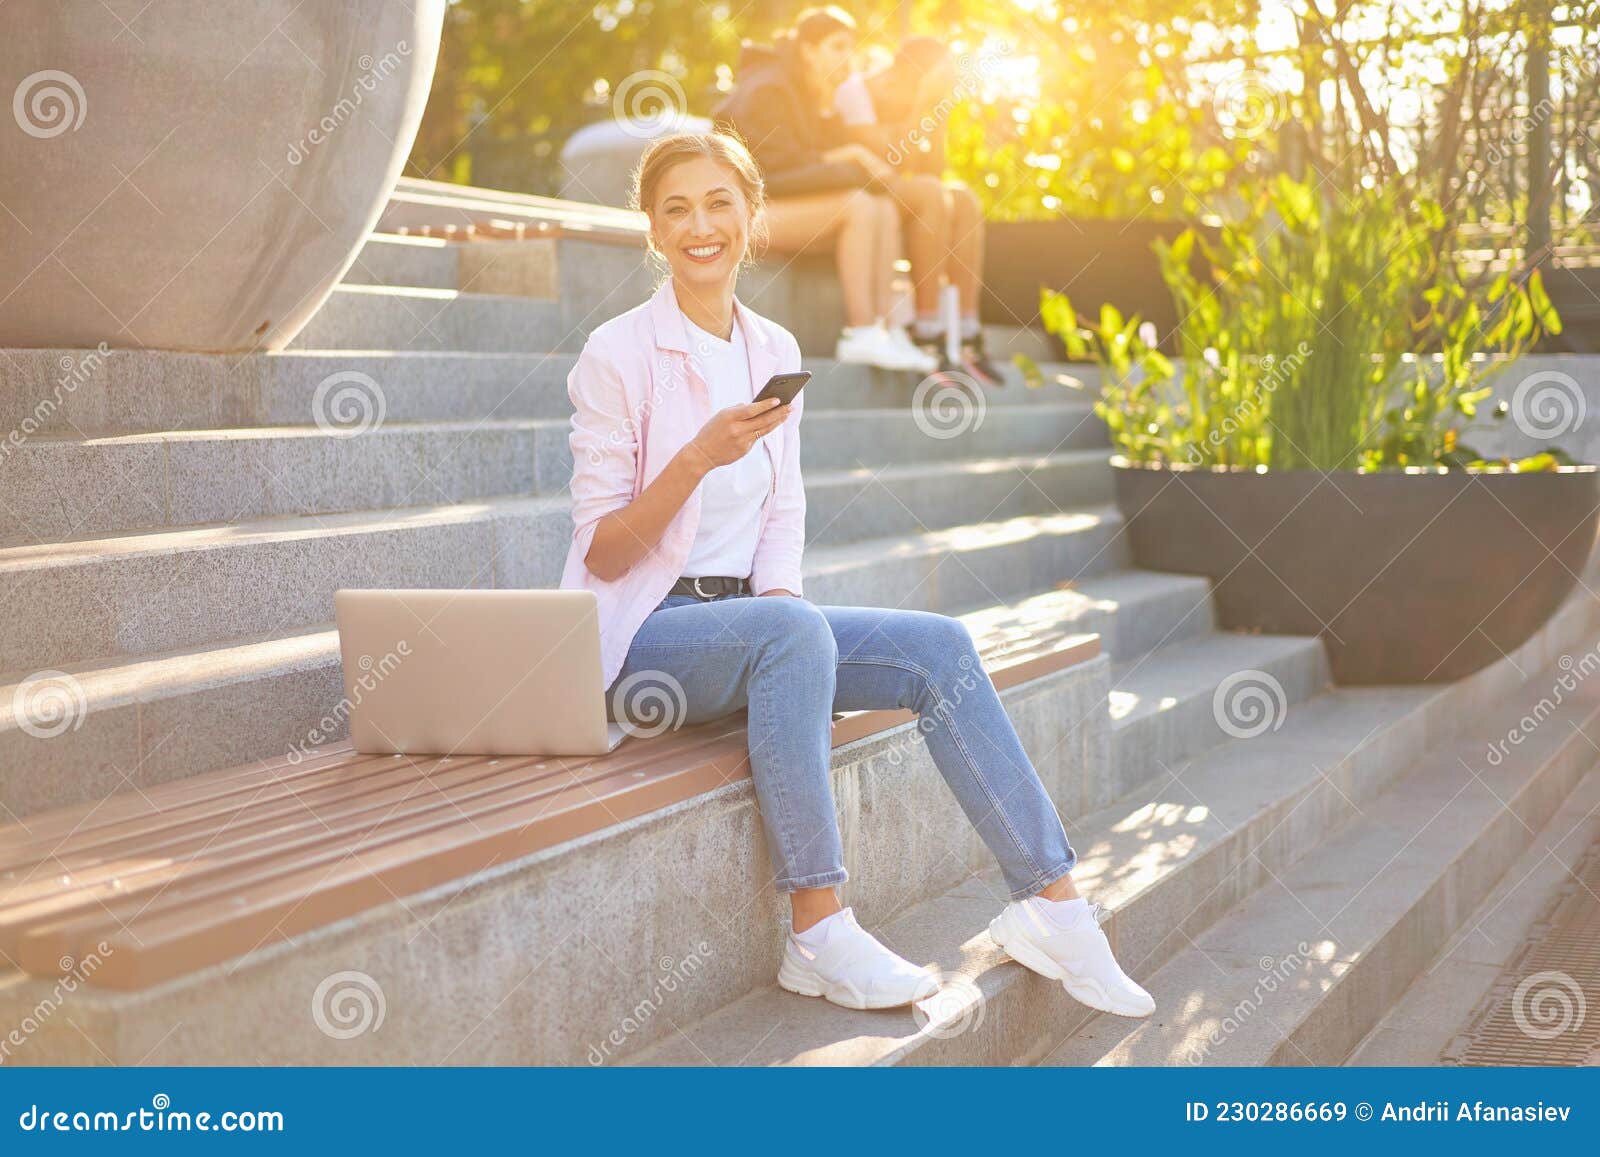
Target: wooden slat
x,y
200,871
47,829
432,800
141,831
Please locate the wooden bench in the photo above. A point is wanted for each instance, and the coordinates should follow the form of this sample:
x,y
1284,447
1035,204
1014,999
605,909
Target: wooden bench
x,y
209,868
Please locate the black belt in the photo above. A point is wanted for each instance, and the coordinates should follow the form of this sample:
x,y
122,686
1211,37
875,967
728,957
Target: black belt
x,y
710,586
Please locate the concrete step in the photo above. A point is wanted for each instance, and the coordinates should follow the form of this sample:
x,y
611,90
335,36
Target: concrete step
x,y
1132,611
142,592
845,506
589,280
1173,702
373,317
1301,970
76,393
833,438
66,487
139,391
1421,1026
849,386
1006,341
406,262
129,724
679,894
1169,861
969,566
152,716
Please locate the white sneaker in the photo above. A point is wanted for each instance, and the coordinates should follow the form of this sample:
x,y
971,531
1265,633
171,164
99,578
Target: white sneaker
x,y
920,359
1079,957
852,967
871,345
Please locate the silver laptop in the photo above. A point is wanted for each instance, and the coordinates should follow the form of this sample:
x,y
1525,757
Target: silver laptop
x,y
474,672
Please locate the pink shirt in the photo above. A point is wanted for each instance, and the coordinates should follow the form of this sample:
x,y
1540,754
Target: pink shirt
x,y
638,397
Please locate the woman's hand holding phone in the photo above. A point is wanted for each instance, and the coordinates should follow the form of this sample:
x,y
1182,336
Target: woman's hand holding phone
x,y
730,433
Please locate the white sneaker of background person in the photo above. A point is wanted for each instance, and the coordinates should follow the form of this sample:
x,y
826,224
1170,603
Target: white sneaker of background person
x,y
1061,939
838,959
922,361
871,345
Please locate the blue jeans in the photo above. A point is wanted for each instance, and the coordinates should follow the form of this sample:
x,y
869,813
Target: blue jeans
x,y
790,664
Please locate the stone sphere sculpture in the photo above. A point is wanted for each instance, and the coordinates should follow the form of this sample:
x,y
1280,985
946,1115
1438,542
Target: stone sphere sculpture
x,y
199,174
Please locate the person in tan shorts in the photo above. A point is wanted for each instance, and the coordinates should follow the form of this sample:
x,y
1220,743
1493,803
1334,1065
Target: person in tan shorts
x,y
899,113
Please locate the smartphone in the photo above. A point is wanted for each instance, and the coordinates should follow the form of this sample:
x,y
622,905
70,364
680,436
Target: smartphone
x,y
783,386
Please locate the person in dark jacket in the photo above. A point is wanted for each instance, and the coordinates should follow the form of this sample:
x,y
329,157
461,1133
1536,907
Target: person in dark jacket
x,y
822,189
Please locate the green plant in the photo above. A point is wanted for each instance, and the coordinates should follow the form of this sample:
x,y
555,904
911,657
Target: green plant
x,y
1421,426
1320,333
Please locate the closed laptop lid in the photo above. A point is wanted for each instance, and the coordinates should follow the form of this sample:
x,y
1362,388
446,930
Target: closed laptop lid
x,y
473,672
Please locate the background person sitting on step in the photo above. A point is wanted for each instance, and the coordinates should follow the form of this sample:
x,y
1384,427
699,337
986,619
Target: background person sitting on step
x,y
899,112
823,190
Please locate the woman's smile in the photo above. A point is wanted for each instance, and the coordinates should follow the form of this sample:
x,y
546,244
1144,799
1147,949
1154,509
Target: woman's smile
x,y
705,254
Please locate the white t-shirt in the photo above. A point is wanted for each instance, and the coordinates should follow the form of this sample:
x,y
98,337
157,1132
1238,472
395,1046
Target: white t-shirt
x,y
731,496
852,100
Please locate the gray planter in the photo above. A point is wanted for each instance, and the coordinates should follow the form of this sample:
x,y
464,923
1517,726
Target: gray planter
x,y
1409,577
201,177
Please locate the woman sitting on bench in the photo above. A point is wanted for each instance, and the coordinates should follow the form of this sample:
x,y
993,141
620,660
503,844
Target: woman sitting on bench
x,y
689,517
